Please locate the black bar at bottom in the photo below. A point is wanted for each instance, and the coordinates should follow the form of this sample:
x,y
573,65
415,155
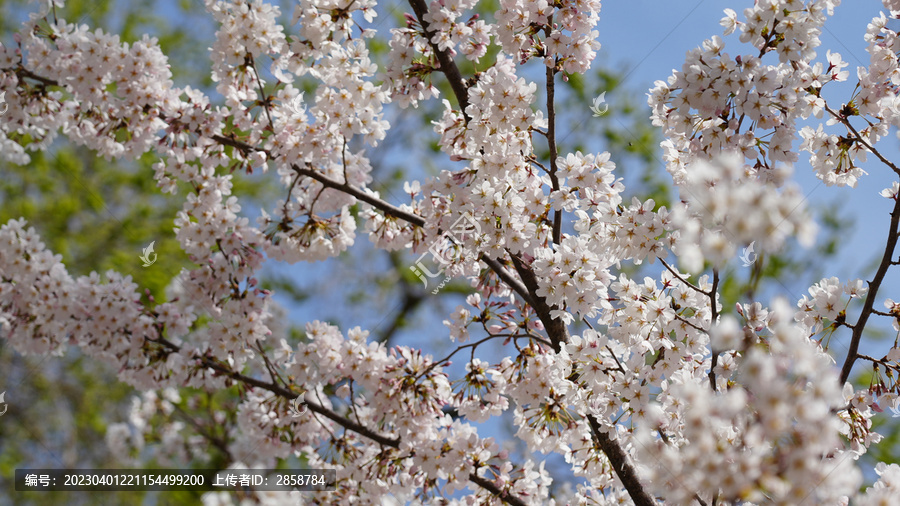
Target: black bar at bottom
x,y
206,480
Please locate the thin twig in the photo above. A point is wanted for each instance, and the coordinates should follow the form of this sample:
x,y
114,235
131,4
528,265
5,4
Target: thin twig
x,y
474,345
678,276
551,142
859,138
217,442
271,368
262,93
384,206
874,285
696,327
621,369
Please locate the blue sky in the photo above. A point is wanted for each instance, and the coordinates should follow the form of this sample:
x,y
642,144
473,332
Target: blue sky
x,y
647,39
648,46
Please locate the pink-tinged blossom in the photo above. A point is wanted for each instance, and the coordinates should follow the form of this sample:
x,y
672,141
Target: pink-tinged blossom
x,y
701,403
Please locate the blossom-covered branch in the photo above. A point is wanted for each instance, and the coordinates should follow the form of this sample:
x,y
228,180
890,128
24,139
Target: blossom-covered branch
x,y
663,394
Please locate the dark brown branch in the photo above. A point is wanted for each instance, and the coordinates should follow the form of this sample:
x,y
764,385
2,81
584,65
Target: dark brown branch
x,y
413,219
23,72
679,278
489,486
619,461
340,420
512,282
228,141
287,394
315,407
359,194
873,359
874,285
448,66
555,327
712,322
551,142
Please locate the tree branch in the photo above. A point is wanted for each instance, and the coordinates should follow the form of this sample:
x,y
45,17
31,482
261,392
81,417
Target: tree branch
x,y
340,420
287,394
852,354
23,72
448,66
512,282
360,195
494,489
555,327
859,138
315,407
677,276
714,316
619,461
551,141
396,212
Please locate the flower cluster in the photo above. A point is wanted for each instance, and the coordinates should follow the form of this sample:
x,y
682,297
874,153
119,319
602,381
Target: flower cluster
x,y
570,40
86,64
768,439
409,78
893,6
888,485
705,107
474,35
723,208
824,302
499,188
574,278
664,393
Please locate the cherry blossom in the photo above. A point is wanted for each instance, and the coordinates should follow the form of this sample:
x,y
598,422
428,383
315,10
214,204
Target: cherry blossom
x,y
645,384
